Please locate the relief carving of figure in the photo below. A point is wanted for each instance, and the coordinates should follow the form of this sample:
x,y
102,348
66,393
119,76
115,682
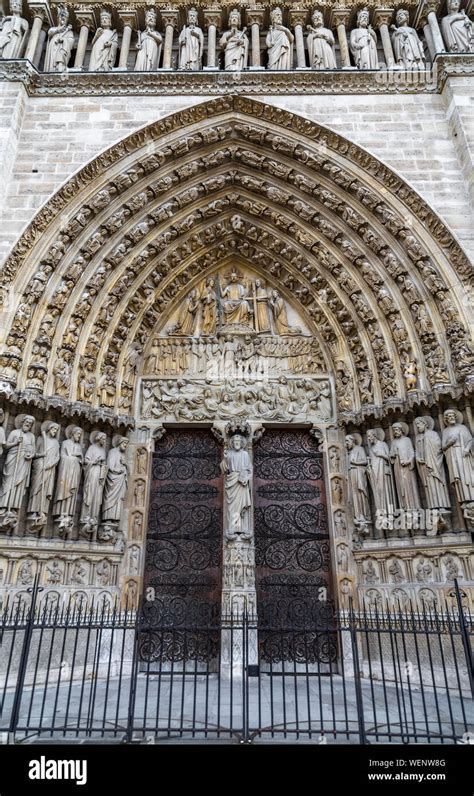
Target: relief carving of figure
x,y
402,455
60,44
457,445
429,460
191,42
95,469
280,317
104,45
13,30
148,45
236,307
320,44
407,47
209,307
237,469
457,29
69,477
380,472
279,43
43,472
363,43
116,480
357,465
20,447
235,44
261,299
188,317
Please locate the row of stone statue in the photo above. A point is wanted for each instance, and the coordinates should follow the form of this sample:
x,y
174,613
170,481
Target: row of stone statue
x,y
391,472
51,474
408,52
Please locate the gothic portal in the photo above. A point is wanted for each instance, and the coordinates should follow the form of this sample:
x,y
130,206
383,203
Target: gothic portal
x,y
235,369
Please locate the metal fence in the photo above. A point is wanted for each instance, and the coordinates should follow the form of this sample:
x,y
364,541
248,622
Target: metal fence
x,y
362,677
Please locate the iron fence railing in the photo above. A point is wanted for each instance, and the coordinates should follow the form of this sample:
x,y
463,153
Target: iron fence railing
x,y
363,677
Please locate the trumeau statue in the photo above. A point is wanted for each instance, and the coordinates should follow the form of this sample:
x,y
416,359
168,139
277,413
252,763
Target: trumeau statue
x,y
458,449
60,44
20,447
320,44
69,478
104,45
95,469
357,465
237,470
363,43
235,44
407,47
380,472
43,473
457,29
279,43
148,45
429,460
191,43
116,480
13,31
402,455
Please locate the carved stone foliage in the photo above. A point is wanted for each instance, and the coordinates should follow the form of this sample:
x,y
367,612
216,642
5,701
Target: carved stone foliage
x,y
337,243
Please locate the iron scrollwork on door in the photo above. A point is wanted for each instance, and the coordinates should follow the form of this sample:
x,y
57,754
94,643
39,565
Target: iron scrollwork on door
x,y
183,557
292,549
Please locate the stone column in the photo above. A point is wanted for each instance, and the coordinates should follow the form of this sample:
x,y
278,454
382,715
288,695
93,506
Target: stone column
x,y
39,15
430,10
86,19
129,19
297,20
382,17
339,20
255,20
170,20
212,20
429,40
39,48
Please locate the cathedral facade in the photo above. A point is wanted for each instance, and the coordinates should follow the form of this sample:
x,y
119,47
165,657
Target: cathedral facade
x,y
236,355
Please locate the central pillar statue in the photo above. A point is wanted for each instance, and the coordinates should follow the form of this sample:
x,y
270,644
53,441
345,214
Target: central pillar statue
x,y
239,614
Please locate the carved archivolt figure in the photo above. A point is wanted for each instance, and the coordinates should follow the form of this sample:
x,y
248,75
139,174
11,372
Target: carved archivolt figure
x,y
148,45
116,480
60,44
43,473
320,44
458,449
20,447
191,42
458,30
237,469
402,455
95,470
357,464
235,43
429,460
380,472
209,307
13,30
407,47
363,43
279,43
69,478
104,45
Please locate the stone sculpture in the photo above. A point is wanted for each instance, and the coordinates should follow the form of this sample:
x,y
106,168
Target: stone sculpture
x,y
13,31
458,449
20,447
69,478
104,45
191,43
402,455
457,29
407,47
379,473
363,43
148,45
235,44
429,461
60,43
357,466
95,469
320,44
116,481
43,474
279,43
237,469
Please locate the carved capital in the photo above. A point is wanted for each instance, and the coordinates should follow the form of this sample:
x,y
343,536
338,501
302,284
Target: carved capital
x,y
170,19
382,16
129,18
340,16
254,16
86,19
212,16
297,16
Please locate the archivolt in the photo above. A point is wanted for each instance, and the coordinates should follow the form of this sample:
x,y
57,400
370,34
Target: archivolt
x,y
375,271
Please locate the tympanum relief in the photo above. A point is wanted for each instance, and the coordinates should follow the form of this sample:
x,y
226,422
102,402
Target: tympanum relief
x,y
235,348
